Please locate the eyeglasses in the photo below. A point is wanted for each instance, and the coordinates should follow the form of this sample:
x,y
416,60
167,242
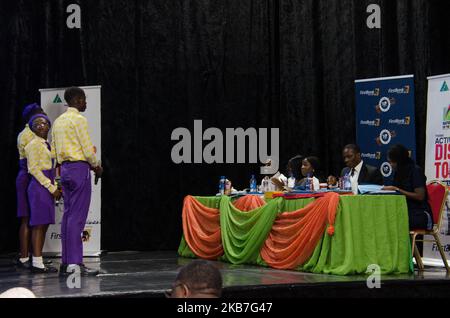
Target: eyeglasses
x,y
41,124
169,293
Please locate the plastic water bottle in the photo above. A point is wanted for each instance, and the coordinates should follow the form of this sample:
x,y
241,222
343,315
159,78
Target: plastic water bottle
x,y
308,183
265,184
227,187
291,182
253,184
311,182
222,185
347,183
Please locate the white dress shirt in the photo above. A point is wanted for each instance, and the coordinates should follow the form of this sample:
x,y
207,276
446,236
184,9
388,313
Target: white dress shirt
x,y
354,178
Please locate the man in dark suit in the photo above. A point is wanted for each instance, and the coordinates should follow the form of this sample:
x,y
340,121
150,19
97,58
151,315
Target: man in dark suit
x,y
358,171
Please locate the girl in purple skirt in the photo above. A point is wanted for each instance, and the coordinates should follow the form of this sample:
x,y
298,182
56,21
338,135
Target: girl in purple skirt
x,y
22,182
42,191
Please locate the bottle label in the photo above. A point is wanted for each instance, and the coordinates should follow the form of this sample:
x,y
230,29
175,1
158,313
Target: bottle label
x,y
291,183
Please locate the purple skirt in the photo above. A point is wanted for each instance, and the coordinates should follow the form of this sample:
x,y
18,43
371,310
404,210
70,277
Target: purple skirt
x,y
22,182
42,203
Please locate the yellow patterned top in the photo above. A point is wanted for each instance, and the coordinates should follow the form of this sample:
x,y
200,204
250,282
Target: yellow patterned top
x,y
23,140
71,140
39,158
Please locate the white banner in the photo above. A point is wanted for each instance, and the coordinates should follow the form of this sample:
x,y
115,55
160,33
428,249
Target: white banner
x,y
52,101
437,155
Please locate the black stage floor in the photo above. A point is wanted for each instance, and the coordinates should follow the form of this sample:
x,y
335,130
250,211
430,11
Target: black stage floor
x,y
149,274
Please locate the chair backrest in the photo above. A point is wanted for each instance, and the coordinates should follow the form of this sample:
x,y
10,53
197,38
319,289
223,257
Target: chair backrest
x,y
437,195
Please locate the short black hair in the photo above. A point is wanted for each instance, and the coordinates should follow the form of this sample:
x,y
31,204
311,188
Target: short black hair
x,y
297,158
399,154
201,274
295,163
73,92
314,161
353,147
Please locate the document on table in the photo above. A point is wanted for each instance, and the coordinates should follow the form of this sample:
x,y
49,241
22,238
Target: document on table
x,y
373,189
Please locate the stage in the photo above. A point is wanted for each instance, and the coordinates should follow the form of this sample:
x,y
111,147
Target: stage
x,y
149,274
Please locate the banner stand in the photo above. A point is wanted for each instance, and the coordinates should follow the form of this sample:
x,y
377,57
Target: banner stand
x,y
52,101
437,156
385,116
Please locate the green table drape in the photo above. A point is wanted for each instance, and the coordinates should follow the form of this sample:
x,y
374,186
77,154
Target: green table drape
x,y
369,229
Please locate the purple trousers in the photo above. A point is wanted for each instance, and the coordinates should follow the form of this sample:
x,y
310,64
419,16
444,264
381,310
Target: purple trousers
x,y
77,190
42,204
22,182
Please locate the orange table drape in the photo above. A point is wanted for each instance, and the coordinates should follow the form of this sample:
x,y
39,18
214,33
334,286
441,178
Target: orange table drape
x,y
248,203
291,242
201,227
295,235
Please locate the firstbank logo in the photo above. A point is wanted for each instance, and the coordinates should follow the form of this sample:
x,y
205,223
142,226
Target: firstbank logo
x,y
368,92
374,156
375,122
404,90
405,121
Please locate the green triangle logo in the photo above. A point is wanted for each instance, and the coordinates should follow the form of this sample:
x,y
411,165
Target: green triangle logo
x,y
444,87
57,100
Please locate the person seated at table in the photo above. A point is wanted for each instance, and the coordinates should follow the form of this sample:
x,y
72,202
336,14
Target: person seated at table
x,y
293,168
358,171
198,279
309,167
410,181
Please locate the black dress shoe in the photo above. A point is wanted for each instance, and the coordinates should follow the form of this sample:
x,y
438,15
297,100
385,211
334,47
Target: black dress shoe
x,y
84,271
20,265
45,270
63,270
17,262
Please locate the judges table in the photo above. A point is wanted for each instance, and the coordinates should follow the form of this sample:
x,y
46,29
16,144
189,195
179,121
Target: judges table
x,y
333,234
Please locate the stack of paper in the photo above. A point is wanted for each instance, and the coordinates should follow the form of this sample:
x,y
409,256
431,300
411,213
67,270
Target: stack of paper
x,y
373,189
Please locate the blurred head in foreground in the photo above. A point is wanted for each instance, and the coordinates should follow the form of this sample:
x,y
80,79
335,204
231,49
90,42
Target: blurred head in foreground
x,y
198,279
18,293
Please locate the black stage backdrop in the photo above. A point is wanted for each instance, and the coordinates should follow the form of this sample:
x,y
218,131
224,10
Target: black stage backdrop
x,y
230,63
